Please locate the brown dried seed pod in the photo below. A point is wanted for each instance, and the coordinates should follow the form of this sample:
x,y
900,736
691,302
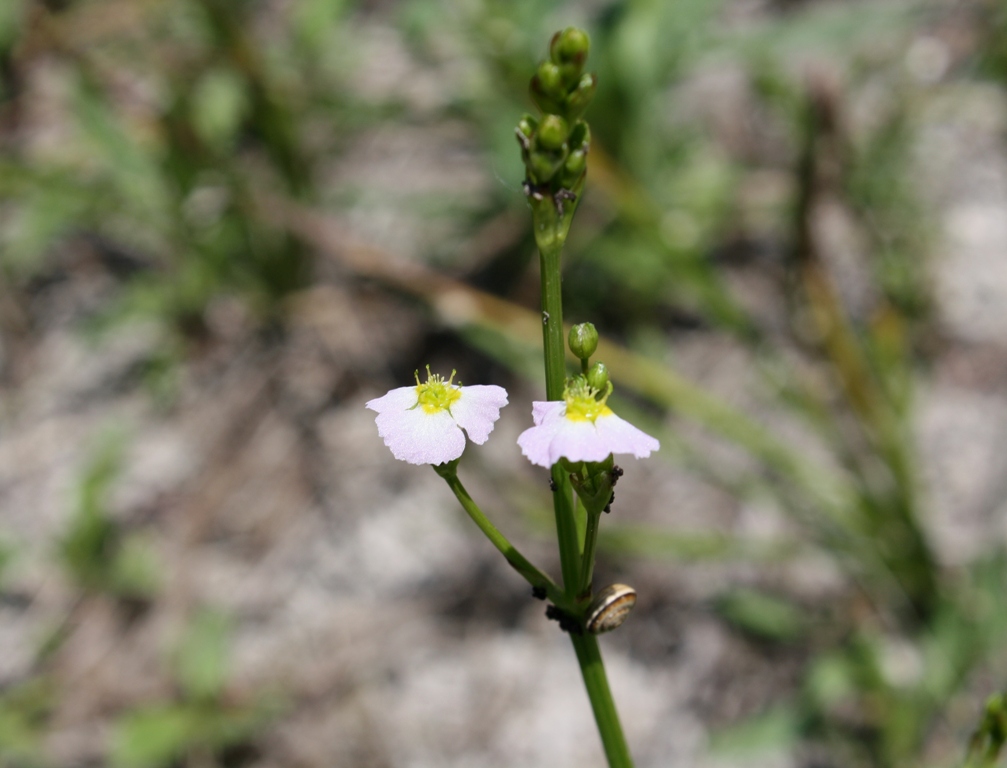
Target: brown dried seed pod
x,y
610,608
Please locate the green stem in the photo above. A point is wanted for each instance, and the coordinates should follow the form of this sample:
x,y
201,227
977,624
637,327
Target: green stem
x,y
550,241
566,530
590,547
552,320
605,714
517,561
555,378
580,526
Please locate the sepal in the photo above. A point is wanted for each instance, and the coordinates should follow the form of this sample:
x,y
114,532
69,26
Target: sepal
x,y
595,482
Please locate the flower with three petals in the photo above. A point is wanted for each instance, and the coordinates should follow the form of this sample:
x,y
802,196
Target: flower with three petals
x,y
581,427
423,424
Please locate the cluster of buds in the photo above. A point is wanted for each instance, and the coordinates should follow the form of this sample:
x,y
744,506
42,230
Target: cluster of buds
x,y
554,148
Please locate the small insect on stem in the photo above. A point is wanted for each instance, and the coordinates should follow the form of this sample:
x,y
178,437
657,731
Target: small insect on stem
x,y
560,197
545,317
567,623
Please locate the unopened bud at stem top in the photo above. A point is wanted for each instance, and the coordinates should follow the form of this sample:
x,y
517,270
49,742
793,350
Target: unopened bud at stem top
x,y
570,46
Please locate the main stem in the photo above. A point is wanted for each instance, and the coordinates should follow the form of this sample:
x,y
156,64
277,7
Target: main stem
x,y
555,378
588,654
602,703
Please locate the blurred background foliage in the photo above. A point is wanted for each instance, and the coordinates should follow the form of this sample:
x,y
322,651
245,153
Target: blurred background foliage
x,y
178,142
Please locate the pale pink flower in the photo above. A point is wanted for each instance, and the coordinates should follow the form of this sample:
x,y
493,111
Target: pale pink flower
x,y
580,428
423,424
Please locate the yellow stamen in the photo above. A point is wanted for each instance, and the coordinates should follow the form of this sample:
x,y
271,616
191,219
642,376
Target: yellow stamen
x,y
436,394
582,402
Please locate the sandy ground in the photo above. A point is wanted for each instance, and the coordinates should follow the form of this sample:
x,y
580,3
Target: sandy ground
x,y
388,630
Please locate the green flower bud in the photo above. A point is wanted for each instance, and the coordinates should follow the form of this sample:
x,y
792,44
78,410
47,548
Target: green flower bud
x,y
570,46
525,133
575,165
597,376
552,132
527,126
580,98
542,166
570,75
583,340
545,100
550,79
580,137
574,168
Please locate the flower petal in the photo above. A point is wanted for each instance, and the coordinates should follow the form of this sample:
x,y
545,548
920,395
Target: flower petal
x,y
477,409
535,442
401,399
554,436
420,437
541,410
622,437
578,441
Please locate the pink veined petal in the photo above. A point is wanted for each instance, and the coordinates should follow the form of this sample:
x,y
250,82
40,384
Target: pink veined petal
x,y
535,442
578,441
477,410
400,399
420,437
622,437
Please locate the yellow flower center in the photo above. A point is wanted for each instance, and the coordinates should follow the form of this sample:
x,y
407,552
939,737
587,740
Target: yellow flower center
x,y
582,403
436,394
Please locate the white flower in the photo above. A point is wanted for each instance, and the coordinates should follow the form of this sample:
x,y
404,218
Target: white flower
x,y
423,424
580,428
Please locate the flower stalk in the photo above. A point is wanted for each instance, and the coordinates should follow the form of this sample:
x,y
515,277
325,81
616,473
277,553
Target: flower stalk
x,y
553,188
574,564
555,376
